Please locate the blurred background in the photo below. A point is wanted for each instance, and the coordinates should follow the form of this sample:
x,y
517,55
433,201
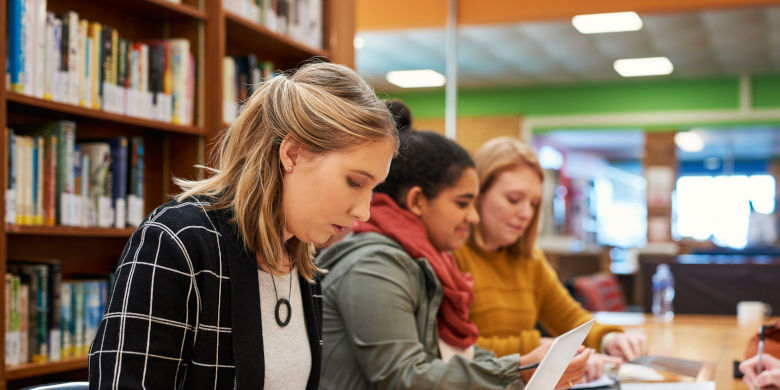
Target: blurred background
x,y
675,160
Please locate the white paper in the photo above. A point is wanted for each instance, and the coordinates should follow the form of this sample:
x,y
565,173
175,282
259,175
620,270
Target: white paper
x,y
600,382
637,372
669,386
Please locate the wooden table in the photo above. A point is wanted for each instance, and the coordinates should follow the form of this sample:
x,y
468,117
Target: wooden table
x,y
714,339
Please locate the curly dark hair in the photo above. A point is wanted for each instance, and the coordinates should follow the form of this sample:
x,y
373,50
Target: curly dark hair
x,y
425,159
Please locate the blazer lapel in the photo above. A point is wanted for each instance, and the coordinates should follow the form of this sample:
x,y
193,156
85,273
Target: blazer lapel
x,y
245,311
312,314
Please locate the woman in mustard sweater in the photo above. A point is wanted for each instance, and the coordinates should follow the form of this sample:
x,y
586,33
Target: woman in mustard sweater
x,y
515,286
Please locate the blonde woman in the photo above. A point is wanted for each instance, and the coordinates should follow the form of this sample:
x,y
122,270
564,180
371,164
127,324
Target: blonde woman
x,y
218,289
515,286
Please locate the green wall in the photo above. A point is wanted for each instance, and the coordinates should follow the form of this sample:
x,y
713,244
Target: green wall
x,y
629,96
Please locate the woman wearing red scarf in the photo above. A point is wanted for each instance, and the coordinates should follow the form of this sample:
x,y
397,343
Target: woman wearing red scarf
x,y
396,308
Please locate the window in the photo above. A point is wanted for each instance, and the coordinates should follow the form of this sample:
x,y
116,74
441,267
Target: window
x,y
718,207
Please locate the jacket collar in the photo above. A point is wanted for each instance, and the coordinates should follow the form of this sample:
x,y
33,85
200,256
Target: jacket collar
x,y
245,312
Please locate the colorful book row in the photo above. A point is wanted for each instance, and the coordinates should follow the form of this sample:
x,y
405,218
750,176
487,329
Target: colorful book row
x,y
70,60
240,77
48,319
54,180
301,20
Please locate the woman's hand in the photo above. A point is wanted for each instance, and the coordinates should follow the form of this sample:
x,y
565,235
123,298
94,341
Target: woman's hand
x,y
770,374
574,372
594,368
627,345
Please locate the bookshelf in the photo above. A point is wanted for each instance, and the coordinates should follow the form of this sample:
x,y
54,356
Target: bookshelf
x,y
171,149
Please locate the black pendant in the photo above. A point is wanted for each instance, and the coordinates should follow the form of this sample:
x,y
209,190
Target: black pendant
x,y
279,304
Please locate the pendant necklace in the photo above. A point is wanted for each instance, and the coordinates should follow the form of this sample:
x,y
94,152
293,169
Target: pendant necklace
x,y
282,302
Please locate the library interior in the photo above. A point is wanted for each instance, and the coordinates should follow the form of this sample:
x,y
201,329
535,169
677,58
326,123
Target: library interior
x,y
651,130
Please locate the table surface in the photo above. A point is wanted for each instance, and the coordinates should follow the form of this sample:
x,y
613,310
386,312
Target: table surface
x,y
715,339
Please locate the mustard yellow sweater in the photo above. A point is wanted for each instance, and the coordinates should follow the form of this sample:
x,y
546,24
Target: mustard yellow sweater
x,y
511,294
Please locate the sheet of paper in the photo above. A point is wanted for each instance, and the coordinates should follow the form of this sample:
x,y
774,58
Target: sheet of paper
x,y
629,371
600,382
669,386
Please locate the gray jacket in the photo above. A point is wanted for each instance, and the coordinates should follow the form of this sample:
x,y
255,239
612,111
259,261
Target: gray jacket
x,y
379,324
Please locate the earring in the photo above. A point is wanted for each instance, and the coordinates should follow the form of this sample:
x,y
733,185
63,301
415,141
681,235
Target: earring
x,y
289,168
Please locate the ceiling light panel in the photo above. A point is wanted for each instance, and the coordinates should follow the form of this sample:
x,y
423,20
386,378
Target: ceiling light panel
x,y
606,23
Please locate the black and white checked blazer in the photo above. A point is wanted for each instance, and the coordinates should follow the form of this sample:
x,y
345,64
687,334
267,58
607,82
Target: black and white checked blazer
x,y
184,312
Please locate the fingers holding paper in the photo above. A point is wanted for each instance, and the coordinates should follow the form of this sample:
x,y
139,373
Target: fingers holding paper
x,y
575,371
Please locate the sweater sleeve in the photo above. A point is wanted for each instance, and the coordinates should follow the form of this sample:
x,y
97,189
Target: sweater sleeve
x,y
558,311
386,338
522,342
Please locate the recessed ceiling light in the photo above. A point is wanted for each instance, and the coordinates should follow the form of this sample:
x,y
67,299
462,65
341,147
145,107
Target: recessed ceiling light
x,y
358,42
416,78
650,66
604,23
689,141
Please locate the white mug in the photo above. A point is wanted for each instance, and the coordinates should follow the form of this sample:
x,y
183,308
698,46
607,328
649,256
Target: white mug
x,y
752,313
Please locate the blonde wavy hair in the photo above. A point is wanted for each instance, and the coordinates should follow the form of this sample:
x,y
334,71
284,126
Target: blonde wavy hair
x,y
497,156
322,107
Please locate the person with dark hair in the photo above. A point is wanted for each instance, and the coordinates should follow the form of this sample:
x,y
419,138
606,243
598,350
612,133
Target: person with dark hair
x,y
395,306
401,114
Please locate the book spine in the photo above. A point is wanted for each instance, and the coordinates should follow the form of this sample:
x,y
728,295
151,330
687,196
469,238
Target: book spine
x,y
24,323
95,61
54,308
40,355
119,150
40,162
10,194
49,179
92,312
135,197
74,57
85,95
66,319
16,43
77,326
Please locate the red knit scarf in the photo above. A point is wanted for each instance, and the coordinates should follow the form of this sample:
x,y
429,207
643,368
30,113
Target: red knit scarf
x,y
453,322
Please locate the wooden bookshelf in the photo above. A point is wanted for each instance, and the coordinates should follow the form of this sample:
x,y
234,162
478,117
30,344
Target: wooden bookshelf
x,y
161,8
67,231
170,150
28,370
245,36
20,102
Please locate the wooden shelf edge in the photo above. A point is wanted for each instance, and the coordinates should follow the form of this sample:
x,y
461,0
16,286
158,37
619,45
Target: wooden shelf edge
x,y
180,8
265,31
28,370
37,230
65,108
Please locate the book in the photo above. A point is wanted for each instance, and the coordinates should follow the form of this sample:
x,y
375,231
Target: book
x,y
10,192
99,208
66,320
135,195
119,160
17,35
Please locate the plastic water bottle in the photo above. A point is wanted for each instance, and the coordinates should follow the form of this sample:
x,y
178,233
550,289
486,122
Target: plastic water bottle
x,y
663,293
